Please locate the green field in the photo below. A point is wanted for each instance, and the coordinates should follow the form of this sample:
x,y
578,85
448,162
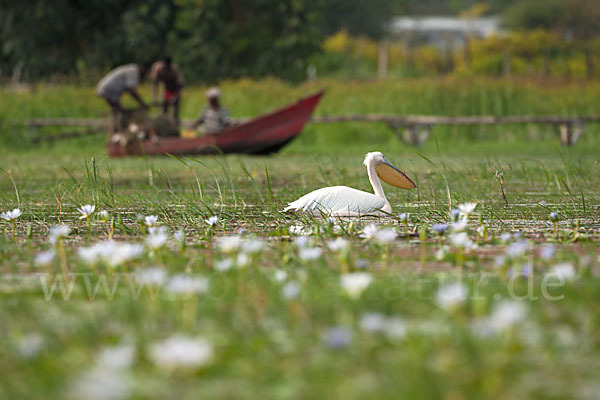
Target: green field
x,y
270,305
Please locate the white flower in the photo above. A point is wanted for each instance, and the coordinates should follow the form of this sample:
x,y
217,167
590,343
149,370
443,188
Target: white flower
x,y
29,345
459,226
121,253
243,260
467,208
547,251
404,217
212,221
179,236
451,296
373,322
331,220
505,237
338,245
290,290
154,276
280,275
11,215
506,314
181,352
86,211
481,229
116,357
517,249
229,244
461,240
102,384
310,253
223,265
157,237
355,283
370,232
395,328
58,232
186,284
104,215
44,258
150,220
301,241
442,252
386,235
253,246
564,271
111,253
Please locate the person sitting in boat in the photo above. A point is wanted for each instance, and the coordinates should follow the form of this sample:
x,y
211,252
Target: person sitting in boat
x,y
214,117
169,74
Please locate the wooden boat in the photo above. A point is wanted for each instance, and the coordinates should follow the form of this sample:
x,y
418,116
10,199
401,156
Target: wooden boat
x,y
261,135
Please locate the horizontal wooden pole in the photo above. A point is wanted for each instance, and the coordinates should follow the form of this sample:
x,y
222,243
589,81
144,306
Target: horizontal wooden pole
x,y
407,120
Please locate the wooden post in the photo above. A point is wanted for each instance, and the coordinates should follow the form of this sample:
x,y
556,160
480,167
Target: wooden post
x,y
570,132
382,67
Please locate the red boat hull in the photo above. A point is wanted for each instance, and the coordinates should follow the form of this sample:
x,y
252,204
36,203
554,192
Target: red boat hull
x,y
262,135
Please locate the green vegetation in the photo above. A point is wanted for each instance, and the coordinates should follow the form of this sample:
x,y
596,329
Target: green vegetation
x,y
505,309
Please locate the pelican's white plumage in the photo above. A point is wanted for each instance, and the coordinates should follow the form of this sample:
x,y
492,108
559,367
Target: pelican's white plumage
x,y
346,201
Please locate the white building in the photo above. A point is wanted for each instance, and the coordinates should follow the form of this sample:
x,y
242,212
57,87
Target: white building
x,y
442,32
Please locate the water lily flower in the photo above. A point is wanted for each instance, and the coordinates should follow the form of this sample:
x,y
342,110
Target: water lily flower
x,y
461,240
440,228
547,251
395,328
150,220
253,246
182,352
58,232
369,232
454,214
212,221
301,241
86,211
243,260
44,258
184,284
29,345
310,253
373,322
101,384
111,253
459,226
517,249
223,265
11,215
104,214
355,283
338,245
290,290
386,235
157,237
467,208
229,244
451,296
280,275
506,314
564,271
554,216
404,217
153,276
116,357
337,338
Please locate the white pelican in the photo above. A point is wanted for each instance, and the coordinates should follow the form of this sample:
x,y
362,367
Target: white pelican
x,y
345,201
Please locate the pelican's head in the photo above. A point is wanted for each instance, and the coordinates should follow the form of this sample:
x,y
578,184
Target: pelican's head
x,y
387,172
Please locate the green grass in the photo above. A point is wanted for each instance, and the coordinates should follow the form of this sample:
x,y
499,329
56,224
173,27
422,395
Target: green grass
x,y
314,345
